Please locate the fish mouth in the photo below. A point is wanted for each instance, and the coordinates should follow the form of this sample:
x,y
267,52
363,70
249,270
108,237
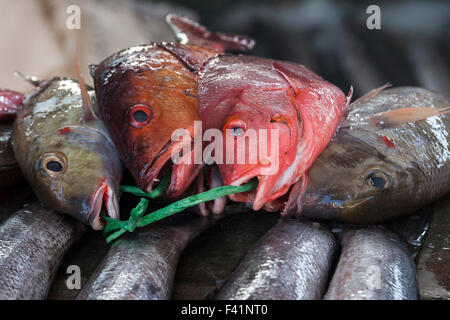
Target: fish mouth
x,y
161,165
254,196
104,196
325,207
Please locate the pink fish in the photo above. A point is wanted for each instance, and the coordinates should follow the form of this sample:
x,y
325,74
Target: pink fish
x,y
299,110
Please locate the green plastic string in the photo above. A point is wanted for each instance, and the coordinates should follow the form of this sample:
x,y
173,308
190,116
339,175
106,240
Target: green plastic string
x,y
138,219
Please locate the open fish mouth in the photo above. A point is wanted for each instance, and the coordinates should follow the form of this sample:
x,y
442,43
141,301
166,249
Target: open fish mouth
x,y
104,197
248,196
162,163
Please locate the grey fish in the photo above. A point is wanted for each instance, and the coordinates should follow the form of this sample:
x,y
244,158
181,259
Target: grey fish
x,y
65,152
33,242
290,262
433,261
370,174
375,264
141,266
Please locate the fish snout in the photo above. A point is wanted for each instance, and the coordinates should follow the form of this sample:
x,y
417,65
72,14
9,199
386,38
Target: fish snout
x,y
319,207
105,196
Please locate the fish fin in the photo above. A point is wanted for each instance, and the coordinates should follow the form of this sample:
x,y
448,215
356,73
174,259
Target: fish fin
x,y
188,31
92,68
89,114
348,99
398,117
293,205
372,93
30,79
194,57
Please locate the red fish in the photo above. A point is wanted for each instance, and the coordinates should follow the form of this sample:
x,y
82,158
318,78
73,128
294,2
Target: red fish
x,y
10,103
146,93
239,93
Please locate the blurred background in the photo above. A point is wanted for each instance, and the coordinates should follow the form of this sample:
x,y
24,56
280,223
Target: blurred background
x,y
330,37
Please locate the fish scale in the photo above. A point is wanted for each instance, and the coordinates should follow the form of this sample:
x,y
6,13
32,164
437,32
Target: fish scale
x,y
57,125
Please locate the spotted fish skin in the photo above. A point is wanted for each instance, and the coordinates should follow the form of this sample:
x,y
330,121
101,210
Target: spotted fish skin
x,y
369,174
33,242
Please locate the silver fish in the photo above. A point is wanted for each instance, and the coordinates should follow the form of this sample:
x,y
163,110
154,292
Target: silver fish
x,y
33,242
375,264
141,266
433,261
290,262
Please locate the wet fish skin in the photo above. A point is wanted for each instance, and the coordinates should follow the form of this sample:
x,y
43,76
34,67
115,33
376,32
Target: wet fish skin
x,y
295,107
52,127
375,264
412,160
154,82
290,262
33,242
9,168
142,265
10,103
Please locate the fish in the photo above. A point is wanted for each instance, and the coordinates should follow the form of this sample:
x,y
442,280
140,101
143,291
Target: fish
x,y
10,103
142,265
277,96
146,94
384,161
241,96
291,261
33,242
375,264
66,153
433,261
9,168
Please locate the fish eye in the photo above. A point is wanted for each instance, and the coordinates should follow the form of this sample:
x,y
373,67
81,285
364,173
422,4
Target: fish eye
x,y
237,127
377,180
237,131
53,164
140,115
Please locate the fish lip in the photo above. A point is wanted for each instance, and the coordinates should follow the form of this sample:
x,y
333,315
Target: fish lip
x,y
255,173
159,162
103,194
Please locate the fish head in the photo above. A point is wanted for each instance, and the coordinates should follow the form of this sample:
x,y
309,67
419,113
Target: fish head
x,y
352,181
257,143
77,173
72,165
145,94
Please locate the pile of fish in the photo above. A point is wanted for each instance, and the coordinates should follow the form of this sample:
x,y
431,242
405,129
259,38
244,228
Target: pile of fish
x,y
370,161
